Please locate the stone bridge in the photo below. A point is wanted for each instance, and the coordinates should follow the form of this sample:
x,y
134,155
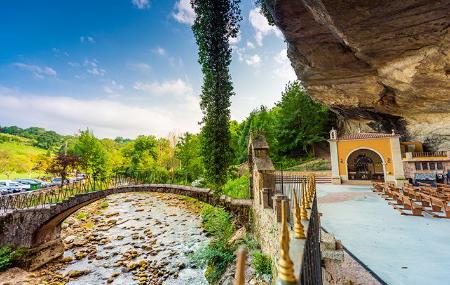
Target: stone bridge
x,y
38,229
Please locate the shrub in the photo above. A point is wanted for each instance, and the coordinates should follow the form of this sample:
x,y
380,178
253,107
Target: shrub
x,y
8,256
261,263
238,188
314,165
215,257
218,253
217,222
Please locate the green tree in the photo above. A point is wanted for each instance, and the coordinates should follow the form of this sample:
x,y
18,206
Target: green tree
x,y
216,22
301,121
93,156
188,152
141,154
235,133
262,121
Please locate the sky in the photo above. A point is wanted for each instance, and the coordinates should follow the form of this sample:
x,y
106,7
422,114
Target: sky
x,y
125,67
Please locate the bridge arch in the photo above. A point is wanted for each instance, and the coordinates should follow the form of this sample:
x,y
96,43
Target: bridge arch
x,y
39,229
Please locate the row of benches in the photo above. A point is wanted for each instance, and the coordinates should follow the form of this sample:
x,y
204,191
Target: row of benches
x,y
411,200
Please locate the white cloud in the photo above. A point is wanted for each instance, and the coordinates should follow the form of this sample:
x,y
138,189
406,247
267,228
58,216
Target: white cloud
x,y
250,44
160,51
141,4
113,88
284,69
37,71
253,60
140,66
87,39
93,68
235,40
107,118
171,87
183,12
261,26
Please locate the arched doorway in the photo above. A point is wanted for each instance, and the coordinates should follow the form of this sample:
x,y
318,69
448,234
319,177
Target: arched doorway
x,y
365,164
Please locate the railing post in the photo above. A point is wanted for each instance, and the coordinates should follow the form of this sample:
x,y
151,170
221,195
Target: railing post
x,y
285,265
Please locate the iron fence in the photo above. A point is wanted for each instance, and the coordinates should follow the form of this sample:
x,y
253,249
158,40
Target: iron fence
x,y
285,184
45,197
311,270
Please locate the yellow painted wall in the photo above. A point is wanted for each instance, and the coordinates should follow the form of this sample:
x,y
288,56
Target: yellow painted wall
x,y
380,145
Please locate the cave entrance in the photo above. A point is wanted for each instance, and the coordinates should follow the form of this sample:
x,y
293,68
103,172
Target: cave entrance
x,y
365,164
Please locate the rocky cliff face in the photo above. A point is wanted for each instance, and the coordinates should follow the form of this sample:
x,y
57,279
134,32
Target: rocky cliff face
x,y
379,64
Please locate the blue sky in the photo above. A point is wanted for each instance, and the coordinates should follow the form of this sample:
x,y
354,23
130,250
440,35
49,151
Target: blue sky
x,y
124,67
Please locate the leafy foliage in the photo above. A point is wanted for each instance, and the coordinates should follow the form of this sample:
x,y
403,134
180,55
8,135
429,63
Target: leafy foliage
x,y
219,253
238,188
141,153
8,256
216,22
261,263
291,128
265,10
301,121
63,164
188,152
93,157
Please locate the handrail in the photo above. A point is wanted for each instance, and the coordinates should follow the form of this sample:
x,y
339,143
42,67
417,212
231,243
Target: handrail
x,y
429,154
311,264
45,197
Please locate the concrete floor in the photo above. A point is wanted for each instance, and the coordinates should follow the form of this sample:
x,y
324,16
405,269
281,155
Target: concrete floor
x,y
400,249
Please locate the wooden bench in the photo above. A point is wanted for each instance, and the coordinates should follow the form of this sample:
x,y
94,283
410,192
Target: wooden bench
x,y
409,204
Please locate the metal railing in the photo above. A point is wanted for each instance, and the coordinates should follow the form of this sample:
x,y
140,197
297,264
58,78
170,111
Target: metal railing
x,y
285,184
311,271
430,154
45,197
300,191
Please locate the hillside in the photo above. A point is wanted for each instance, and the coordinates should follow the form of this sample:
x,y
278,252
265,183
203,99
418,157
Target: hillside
x,y
19,158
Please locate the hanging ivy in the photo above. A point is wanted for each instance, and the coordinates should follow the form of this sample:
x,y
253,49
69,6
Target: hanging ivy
x,y
265,10
216,22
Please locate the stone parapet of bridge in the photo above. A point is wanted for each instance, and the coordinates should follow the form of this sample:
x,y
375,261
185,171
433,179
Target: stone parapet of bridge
x,y
38,228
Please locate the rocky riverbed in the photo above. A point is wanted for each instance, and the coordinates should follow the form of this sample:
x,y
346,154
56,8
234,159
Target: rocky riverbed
x,y
139,238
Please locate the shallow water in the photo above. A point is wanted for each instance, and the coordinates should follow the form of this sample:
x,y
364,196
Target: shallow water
x,y
138,228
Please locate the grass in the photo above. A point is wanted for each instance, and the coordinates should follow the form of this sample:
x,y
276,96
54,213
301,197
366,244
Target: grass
x,y
261,263
21,156
218,254
237,188
314,165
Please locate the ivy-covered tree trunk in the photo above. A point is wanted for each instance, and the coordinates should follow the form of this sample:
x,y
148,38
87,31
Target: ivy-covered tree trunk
x,y
215,23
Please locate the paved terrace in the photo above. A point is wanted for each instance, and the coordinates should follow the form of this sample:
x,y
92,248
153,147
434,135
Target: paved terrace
x,y
399,249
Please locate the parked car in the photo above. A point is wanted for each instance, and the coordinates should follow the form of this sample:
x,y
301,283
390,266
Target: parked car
x,y
44,184
80,176
5,190
33,184
15,186
57,181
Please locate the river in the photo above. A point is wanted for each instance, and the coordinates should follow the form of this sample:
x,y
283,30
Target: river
x,y
133,238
